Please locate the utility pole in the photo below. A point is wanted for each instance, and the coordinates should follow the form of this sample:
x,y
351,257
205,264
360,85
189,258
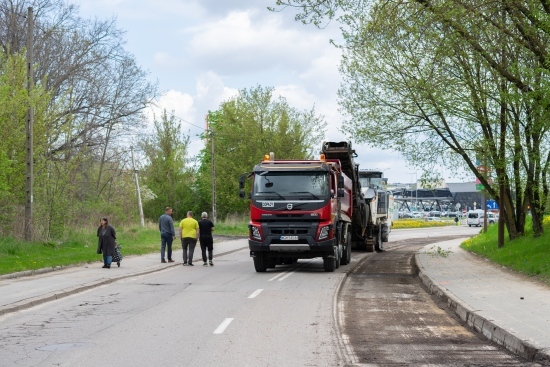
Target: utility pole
x,y
213,177
29,183
141,219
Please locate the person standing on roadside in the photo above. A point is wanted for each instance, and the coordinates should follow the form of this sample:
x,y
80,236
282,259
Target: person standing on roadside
x,y
106,242
167,234
206,226
189,231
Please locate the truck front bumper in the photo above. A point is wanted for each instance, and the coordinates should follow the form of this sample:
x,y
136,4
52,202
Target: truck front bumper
x,y
310,249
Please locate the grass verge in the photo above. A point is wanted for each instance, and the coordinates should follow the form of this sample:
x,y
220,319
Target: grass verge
x,y
80,247
526,255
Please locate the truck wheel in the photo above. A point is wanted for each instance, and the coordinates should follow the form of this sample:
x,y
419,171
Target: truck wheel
x,y
385,233
378,240
369,244
329,263
337,255
346,253
260,263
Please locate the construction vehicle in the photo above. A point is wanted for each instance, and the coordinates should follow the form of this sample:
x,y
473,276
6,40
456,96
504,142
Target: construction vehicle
x,y
302,209
380,210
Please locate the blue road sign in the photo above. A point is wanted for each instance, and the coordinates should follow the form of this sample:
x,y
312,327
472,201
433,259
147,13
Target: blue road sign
x,y
491,204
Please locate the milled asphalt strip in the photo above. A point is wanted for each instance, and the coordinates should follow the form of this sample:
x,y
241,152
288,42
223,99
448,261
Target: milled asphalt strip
x,y
35,301
344,349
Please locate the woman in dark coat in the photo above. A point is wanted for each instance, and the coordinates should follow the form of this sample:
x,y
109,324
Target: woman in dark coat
x,y
106,242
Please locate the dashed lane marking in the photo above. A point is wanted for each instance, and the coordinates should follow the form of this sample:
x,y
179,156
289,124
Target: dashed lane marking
x,y
253,295
223,326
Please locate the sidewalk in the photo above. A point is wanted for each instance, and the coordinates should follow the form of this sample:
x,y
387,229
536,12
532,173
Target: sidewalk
x,y
28,291
507,308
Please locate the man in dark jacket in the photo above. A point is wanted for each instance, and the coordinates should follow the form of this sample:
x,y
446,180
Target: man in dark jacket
x,y
167,234
206,226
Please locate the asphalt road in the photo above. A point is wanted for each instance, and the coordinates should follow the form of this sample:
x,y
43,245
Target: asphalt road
x,y
226,315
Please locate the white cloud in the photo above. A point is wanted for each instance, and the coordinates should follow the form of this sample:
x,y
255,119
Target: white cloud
x,y
246,41
174,102
211,90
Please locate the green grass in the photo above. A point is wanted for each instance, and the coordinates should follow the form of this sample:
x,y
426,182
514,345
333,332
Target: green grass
x,y
231,229
527,255
81,246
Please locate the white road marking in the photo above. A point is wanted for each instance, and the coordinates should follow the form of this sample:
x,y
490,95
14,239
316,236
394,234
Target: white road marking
x,y
276,276
287,273
286,276
253,295
223,326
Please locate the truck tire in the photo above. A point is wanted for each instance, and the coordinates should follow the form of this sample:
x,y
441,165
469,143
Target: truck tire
x,y
329,263
260,263
346,253
337,256
369,244
378,240
385,233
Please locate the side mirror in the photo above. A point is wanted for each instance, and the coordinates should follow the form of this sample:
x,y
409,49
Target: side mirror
x,y
241,182
241,194
340,182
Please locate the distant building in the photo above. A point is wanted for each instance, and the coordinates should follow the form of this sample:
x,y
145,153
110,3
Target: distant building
x,y
460,196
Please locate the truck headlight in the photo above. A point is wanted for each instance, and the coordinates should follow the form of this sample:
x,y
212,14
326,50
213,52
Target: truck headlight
x,y
324,232
255,233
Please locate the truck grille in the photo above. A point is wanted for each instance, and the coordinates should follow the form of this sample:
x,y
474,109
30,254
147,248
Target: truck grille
x,y
288,231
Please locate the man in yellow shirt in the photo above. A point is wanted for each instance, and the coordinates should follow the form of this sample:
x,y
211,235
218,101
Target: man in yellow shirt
x,y
189,233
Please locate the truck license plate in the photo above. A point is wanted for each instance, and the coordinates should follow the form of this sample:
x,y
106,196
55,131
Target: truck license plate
x,y
288,238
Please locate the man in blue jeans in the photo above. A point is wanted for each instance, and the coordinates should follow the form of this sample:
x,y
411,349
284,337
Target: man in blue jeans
x,y
167,234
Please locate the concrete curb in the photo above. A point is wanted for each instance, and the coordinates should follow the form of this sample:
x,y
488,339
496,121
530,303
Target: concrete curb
x,y
52,296
28,273
480,324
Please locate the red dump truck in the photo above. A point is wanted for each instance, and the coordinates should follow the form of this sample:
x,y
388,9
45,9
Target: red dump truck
x,y
302,209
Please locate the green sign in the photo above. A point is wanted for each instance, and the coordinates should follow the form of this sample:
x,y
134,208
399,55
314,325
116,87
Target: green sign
x,y
480,187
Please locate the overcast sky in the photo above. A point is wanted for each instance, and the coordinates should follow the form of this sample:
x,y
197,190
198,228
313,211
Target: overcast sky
x,y
202,52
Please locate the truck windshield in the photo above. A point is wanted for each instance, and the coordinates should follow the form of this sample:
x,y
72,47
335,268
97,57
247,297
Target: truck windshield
x,y
370,182
292,184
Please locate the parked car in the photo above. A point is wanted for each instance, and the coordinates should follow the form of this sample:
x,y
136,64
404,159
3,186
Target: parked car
x,y
475,218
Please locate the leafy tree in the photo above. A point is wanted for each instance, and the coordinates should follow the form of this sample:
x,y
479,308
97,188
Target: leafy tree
x,y
166,170
446,81
14,102
247,127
